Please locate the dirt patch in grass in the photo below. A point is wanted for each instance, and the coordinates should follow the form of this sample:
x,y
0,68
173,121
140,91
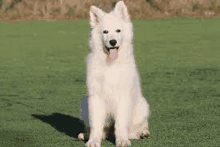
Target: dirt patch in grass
x,y
79,9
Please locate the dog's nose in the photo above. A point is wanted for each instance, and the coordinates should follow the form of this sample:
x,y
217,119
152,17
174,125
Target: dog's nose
x,y
113,42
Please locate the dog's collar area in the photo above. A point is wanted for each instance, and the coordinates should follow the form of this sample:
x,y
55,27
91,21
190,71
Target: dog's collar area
x,y
108,48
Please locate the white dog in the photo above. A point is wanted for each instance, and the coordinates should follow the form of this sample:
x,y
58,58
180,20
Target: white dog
x,y
113,83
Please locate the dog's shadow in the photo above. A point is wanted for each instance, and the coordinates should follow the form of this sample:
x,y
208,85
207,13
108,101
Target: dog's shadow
x,y
67,124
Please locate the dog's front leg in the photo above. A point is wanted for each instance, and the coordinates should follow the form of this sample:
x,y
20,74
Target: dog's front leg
x,y
123,115
96,121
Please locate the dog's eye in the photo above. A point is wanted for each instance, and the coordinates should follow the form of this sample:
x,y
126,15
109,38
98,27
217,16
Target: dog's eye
x,y
118,30
105,32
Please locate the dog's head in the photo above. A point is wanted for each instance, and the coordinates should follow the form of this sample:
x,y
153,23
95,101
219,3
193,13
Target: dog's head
x,y
110,27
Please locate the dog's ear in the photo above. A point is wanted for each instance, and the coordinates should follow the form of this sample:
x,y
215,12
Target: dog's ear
x,y
122,11
95,15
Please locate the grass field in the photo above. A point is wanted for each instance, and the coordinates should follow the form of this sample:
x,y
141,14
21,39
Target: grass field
x,y
42,81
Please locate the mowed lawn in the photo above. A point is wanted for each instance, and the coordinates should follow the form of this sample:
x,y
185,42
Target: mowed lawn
x,y
42,81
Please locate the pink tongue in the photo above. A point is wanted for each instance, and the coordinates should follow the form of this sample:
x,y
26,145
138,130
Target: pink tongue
x,y
113,55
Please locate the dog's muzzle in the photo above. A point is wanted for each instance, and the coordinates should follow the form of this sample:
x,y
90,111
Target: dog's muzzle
x,y
108,48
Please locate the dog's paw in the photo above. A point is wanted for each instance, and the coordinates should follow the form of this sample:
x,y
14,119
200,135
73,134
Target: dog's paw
x,y
123,142
81,136
144,134
93,143
134,136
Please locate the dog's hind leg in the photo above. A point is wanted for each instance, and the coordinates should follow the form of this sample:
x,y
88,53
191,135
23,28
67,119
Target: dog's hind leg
x,y
138,128
83,136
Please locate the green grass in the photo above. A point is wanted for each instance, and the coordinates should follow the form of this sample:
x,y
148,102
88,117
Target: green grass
x,y
42,81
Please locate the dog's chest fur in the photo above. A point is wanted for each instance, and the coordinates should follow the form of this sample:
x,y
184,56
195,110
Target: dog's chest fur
x,y
115,74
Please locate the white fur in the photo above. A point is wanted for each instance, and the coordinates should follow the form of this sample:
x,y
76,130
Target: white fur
x,y
113,88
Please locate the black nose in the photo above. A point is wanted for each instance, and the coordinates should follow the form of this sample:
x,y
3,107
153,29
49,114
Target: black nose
x,y
113,42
